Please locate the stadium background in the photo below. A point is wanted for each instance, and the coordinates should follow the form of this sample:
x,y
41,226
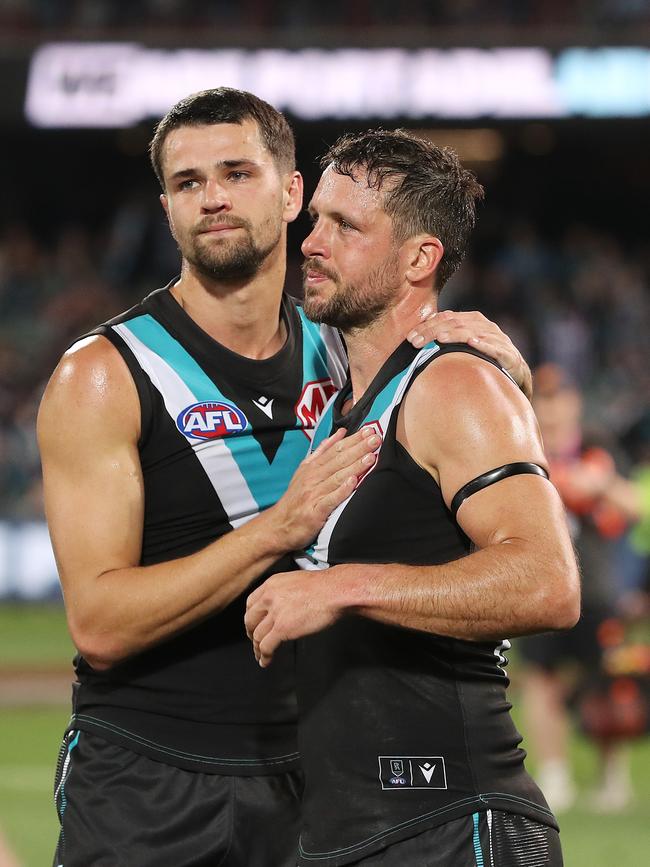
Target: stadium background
x,y
561,260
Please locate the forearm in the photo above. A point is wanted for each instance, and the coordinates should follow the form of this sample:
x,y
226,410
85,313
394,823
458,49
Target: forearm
x,y
502,590
124,611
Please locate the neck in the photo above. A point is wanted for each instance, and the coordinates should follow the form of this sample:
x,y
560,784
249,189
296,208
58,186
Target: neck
x,y
242,316
369,347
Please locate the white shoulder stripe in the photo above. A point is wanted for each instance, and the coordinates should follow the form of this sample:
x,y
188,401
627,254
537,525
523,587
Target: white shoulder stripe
x,y
213,455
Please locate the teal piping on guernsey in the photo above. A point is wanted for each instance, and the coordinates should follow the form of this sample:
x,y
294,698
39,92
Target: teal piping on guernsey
x,y
477,841
265,487
64,775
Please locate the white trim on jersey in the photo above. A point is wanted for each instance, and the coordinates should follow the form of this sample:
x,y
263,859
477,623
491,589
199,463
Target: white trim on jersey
x,y
337,359
319,558
214,455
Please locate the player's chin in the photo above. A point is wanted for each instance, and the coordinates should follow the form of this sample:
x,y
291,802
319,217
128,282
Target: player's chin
x,y
314,305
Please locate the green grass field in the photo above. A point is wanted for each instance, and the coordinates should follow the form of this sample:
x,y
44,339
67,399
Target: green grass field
x,y
30,737
34,636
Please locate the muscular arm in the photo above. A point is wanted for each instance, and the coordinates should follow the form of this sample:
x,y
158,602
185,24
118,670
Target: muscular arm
x,y
473,328
523,577
88,430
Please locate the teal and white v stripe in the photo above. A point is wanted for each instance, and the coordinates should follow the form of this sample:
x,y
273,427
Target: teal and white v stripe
x,y
329,359
236,466
381,411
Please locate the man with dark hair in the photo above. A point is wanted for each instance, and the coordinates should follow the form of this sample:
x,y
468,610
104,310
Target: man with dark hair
x,y
409,751
169,440
226,105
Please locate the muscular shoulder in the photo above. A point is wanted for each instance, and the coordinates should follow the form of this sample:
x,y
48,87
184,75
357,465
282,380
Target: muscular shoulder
x,y
465,413
91,387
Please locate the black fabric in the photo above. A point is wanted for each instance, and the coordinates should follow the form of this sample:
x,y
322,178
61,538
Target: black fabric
x,y
578,645
120,809
199,700
371,693
493,839
491,477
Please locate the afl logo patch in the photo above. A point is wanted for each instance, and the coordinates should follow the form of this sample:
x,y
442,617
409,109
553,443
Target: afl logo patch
x,y
209,420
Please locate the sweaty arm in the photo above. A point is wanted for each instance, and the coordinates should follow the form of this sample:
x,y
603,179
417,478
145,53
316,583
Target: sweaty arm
x,y
88,430
522,576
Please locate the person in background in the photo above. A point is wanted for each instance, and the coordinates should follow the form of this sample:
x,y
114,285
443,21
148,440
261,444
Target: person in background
x,y
601,504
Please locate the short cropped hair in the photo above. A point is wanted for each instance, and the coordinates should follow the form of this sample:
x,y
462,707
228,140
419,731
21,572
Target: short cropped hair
x,y
425,188
227,105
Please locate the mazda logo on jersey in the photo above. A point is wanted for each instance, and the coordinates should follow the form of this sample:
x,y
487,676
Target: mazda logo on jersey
x,y
209,420
311,403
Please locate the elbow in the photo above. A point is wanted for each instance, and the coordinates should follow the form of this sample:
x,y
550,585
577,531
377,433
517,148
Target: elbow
x,y
561,604
99,650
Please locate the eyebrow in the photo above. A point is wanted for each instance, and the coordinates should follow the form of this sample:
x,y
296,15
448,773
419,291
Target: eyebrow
x,y
334,215
220,164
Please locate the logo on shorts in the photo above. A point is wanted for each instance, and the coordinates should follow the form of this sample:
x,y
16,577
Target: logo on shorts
x,y
311,404
412,772
209,420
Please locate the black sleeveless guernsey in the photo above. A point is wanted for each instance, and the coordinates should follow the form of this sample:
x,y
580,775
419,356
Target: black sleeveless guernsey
x,y
400,730
221,437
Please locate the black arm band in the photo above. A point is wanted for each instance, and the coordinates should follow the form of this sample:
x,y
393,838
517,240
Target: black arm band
x,y
492,476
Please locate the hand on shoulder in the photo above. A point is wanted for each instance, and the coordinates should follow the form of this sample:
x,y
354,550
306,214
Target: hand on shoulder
x,y
463,417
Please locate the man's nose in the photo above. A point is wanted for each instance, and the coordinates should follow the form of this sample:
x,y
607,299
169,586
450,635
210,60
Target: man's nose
x,y
315,244
215,197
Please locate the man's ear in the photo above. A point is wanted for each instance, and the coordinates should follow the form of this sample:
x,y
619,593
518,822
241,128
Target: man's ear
x,y
165,206
423,255
292,194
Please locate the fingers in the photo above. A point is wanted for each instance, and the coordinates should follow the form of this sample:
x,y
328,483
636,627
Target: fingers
x,y
473,328
333,497
344,458
257,620
320,484
341,449
260,629
253,614
326,445
449,326
267,646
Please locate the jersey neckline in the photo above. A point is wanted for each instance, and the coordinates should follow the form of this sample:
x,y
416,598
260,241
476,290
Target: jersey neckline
x,y
398,361
181,325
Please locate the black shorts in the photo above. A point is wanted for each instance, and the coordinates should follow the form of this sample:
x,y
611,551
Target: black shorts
x,y
121,809
551,650
489,839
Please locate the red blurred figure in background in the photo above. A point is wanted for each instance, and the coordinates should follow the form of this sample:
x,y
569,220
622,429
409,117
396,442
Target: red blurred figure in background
x,y
601,504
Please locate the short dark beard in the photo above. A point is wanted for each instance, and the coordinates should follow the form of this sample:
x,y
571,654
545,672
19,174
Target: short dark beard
x,y
239,262
347,309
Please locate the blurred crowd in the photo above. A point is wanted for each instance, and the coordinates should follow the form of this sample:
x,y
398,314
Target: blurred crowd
x,y
582,303
259,15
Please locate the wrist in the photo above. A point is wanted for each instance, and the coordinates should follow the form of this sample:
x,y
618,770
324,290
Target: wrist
x,y
271,532
352,586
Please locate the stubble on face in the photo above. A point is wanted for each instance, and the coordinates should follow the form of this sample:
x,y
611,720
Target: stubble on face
x,y
230,259
351,306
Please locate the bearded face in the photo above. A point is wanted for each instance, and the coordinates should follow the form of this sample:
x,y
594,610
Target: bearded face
x,y
349,305
229,249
